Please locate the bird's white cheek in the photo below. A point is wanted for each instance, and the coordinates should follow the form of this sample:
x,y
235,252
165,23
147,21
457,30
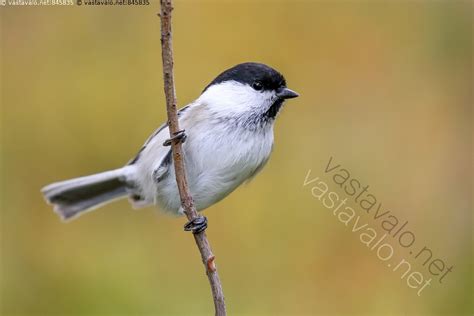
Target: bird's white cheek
x,y
235,98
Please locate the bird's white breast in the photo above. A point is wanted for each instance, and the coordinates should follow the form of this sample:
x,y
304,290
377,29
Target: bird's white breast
x,y
218,158
226,145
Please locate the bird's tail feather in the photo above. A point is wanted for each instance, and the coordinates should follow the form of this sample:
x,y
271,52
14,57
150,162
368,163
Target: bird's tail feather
x,y
77,196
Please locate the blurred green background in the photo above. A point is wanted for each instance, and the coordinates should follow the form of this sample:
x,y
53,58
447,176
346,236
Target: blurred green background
x,y
386,89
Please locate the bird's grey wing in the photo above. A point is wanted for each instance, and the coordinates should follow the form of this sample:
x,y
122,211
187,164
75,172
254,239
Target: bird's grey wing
x,y
152,164
152,136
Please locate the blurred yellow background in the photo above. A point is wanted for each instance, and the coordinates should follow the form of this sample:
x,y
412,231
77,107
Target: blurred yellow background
x,y
386,89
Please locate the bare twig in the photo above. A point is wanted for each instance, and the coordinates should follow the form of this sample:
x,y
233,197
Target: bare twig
x,y
178,157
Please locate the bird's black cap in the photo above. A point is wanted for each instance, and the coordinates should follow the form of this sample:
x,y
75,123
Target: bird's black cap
x,y
252,73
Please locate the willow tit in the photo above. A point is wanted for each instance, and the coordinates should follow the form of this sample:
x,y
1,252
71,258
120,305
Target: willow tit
x,y
229,138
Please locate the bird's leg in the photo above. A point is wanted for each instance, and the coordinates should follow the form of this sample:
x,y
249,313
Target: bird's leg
x,y
197,225
179,136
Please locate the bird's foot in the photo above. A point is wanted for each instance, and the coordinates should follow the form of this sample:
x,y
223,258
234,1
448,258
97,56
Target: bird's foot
x,y
197,225
179,137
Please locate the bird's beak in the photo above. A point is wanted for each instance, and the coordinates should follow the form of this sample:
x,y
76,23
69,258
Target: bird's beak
x,y
285,93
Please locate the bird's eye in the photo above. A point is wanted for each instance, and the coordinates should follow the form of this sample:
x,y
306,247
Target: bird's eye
x,y
257,85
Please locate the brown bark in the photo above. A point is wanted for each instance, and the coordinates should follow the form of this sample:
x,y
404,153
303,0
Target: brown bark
x,y
178,158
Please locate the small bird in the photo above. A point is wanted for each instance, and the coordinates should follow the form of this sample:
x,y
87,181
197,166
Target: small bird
x,y
227,136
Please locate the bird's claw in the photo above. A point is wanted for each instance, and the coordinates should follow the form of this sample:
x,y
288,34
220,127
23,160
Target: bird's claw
x,y
197,225
179,137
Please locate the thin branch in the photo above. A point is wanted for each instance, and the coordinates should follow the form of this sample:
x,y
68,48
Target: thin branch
x,y
178,157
